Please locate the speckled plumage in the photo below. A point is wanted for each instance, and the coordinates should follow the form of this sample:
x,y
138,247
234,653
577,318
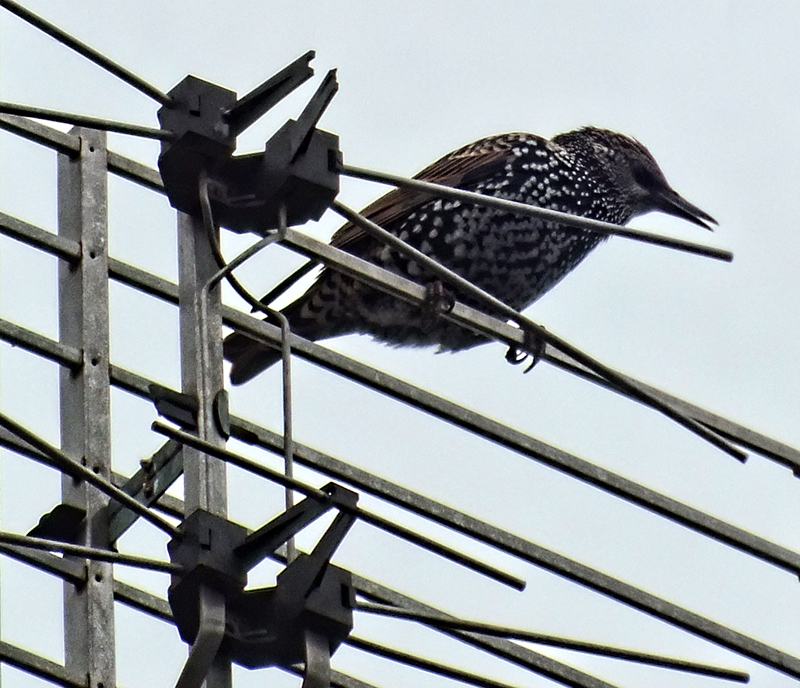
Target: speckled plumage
x,y
591,172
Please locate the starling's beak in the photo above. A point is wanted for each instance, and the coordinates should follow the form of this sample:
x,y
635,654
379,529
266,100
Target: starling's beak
x,y
669,201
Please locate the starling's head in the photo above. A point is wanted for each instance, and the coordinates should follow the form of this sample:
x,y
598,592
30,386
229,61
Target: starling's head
x,y
635,174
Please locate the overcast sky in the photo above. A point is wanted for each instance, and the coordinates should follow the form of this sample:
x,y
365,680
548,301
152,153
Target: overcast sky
x,y
711,88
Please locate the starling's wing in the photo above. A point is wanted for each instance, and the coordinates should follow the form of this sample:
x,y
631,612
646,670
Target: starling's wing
x,y
478,160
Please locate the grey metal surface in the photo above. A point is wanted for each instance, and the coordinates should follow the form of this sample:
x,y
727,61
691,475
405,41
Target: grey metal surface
x,y
89,645
69,354
205,485
317,672
614,484
210,632
531,552
148,177
201,362
34,446
780,452
147,485
61,142
20,230
437,668
25,541
69,569
506,649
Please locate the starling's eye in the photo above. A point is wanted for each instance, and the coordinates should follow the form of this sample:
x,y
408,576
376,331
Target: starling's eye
x,y
644,177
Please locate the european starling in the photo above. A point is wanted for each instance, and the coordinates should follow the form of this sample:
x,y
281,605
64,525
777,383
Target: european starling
x,y
592,172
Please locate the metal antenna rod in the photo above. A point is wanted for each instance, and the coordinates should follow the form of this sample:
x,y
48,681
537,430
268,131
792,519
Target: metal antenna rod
x,y
537,331
85,121
428,665
442,622
88,552
605,228
88,52
67,465
367,516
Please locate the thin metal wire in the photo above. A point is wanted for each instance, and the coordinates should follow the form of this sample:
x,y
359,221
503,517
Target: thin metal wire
x,y
604,228
88,52
86,121
766,446
88,552
226,271
288,422
65,464
363,514
441,621
536,330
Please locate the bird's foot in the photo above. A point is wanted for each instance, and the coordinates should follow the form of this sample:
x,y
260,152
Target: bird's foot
x,y
532,347
439,300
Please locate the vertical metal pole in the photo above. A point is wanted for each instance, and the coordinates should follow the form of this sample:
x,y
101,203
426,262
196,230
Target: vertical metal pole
x,y
201,368
85,400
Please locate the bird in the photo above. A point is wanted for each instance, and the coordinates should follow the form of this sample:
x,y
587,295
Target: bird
x,y
592,172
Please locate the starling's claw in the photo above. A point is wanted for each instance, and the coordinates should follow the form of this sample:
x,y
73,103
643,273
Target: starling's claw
x,y
438,299
532,344
514,356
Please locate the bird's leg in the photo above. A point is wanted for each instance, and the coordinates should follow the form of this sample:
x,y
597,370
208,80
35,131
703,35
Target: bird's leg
x,y
533,348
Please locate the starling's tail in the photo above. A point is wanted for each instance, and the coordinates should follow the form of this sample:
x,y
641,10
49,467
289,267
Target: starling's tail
x,y
248,357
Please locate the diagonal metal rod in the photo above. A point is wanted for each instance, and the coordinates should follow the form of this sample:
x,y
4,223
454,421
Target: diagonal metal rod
x,y
69,570
440,621
365,515
85,121
88,552
33,664
604,228
65,464
424,664
88,52
502,331
536,330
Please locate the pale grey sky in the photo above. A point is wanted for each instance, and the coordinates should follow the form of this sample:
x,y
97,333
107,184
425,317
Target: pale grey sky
x,y
710,88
